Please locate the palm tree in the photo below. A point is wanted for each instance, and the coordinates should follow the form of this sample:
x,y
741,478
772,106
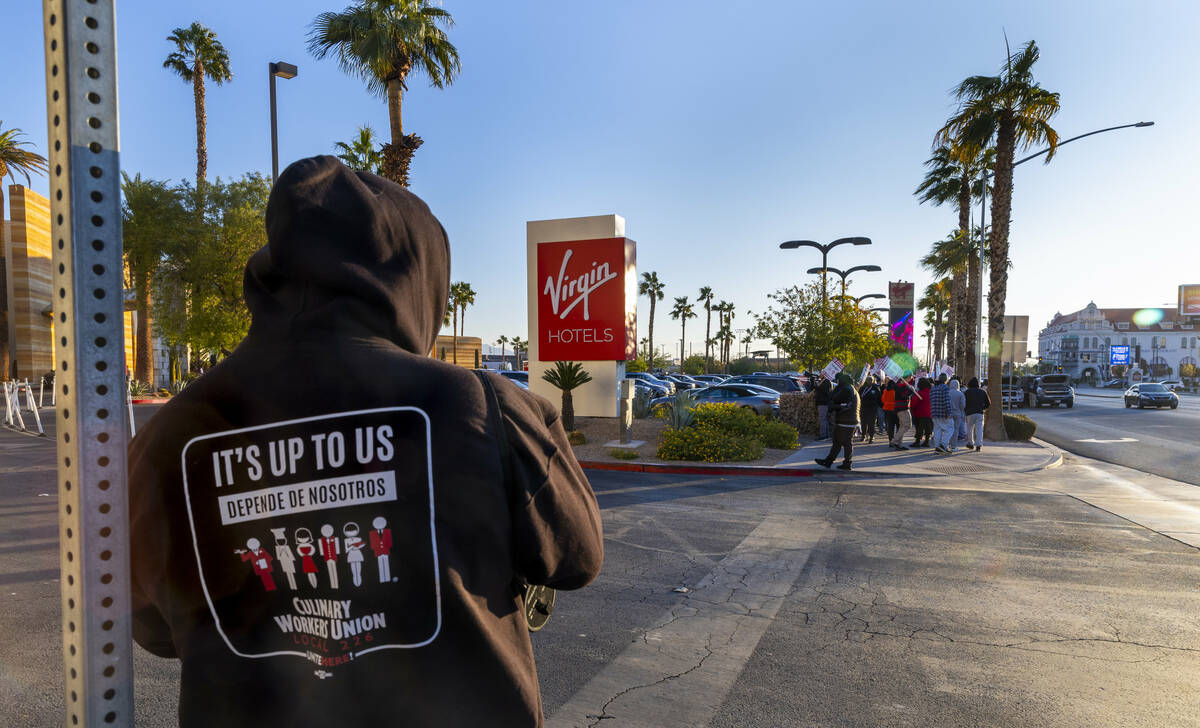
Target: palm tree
x,y
1012,111
461,296
14,160
466,297
566,376
952,175
150,213
949,258
519,345
382,42
199,55
936,302
682,312
503,342
724,310
362,153
706,297
653,288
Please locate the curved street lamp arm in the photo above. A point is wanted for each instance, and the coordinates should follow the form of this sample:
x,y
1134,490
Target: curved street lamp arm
x,y
850,241
793,244
865,268
1081,136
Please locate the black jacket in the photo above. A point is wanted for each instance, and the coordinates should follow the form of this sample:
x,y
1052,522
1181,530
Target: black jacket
x,y
324,529
822,392
844,402
977,400
870,397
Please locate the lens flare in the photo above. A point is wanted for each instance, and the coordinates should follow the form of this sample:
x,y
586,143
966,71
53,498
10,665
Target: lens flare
x,y
1148,317
907,362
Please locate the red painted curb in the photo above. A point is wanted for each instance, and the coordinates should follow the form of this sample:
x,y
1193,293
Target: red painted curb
x,y
156,400
694,469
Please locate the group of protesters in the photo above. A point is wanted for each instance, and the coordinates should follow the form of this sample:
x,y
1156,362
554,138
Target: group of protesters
x,y
939,412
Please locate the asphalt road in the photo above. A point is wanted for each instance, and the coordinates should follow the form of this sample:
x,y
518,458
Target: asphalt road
x,y
1165,442
953,601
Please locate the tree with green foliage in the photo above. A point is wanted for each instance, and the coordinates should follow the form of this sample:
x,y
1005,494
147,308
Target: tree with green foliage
x,y
198,283
198,55
799,324
502,342
1012,112
15,159
652,288
681,312
566,376
694,364
363,153
382,42
950,258
152,214
936,302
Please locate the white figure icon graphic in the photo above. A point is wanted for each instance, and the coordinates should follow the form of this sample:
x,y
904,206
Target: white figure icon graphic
x,y
306,549
381,545
329,551
354,546
285,557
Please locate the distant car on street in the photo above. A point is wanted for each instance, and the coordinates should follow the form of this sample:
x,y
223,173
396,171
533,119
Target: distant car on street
x,y
763,400
1171,384
1114,384
1150,394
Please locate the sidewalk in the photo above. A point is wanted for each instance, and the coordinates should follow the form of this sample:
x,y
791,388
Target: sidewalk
x,y
879,459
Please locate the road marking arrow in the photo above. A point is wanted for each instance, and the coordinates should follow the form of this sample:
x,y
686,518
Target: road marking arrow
x,y
1122,439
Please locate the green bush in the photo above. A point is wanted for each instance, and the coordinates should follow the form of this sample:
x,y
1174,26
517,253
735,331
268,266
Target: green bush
x,y
622,454
709,445
641,403
575,437
729,418
1019,427
778,435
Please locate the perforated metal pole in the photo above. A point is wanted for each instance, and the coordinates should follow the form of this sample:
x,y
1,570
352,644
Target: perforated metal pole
x,y
81,97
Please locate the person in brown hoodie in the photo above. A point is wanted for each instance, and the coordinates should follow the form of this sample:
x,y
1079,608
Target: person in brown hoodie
x,y
435,491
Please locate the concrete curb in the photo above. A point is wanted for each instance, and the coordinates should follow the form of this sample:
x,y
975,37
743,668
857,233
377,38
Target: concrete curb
x,y
1056,455
156,400
696,469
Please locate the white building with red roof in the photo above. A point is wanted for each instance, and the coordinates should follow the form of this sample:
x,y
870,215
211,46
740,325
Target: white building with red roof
x,y
1160,340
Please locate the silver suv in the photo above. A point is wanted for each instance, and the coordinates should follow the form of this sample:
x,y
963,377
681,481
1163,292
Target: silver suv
x,y
1054,389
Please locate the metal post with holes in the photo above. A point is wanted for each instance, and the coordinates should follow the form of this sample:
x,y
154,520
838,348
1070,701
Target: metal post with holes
x,y
81,98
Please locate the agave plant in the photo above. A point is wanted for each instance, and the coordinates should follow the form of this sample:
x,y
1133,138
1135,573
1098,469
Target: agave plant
x,y
681,412
566,376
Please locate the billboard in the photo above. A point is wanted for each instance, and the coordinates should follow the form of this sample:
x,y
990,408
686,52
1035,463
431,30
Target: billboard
x,y
900,327
585,311
1189,299
1118,355
901,295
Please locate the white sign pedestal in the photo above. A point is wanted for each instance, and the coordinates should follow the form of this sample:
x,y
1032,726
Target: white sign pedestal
x,y
597,398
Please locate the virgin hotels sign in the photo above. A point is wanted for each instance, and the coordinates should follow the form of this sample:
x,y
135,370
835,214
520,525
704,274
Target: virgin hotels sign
x,y
587,300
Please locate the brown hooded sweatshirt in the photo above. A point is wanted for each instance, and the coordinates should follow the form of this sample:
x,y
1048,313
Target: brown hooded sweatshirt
x,y
324,529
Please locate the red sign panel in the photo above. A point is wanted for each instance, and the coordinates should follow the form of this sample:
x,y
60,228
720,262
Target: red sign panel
x,y
900,295
584,310
1189,300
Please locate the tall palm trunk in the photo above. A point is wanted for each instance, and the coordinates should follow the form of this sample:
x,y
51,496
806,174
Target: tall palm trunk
x,y
395,91
951,324
568,411
998,261
939,334
397,156
958,296
143,366
707,338
650,334
682,340
454,333
968,331
201,126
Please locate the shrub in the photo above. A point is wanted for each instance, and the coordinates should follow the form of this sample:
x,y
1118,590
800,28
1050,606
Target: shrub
x,y
729,418
709,445
1019,427
641,403
679,412
799,409
138,388
575,437
622,454
778,435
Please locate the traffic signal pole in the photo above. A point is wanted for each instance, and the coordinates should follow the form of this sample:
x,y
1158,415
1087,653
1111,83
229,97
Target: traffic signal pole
x,y
81,99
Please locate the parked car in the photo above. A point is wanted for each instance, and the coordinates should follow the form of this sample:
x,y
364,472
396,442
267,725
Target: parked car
x,y
654,388
1010,391
1054,389
763,400
1171,384
519,377
778,382
651,379
683,381
1114,384
1150,394
709,379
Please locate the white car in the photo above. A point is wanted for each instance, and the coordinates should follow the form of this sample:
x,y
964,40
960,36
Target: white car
x,y
1171,384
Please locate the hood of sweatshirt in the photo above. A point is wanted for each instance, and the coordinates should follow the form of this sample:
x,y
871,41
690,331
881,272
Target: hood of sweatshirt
x,y
348,252
953,384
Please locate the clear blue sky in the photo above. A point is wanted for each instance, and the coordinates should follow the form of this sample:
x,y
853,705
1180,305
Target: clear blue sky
x,y
716,129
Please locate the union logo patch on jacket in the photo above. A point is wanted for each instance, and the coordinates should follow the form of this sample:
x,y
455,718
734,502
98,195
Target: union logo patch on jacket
x,y
315,537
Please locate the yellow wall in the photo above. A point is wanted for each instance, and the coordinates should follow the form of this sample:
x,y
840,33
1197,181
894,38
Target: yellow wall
x,y
27,256
468,350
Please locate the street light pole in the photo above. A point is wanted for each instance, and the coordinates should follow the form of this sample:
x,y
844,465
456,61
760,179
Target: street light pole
x,y
983,178
843,274
792,244
282,70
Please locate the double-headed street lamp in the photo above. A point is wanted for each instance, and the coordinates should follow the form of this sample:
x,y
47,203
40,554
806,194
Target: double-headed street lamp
x,y
792,244
843,274
860,299
282,70
983,178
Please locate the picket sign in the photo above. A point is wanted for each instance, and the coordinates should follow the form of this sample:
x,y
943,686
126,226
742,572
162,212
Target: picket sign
x,y
832,369
129,405
947,370
863,377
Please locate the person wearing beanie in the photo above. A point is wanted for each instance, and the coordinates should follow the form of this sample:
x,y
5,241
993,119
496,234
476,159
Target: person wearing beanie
x,y
844,409
922,419
869,396
958,404
943,423
332,418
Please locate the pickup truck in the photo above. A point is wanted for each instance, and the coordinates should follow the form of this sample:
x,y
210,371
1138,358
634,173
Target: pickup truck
x,y
1053,389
